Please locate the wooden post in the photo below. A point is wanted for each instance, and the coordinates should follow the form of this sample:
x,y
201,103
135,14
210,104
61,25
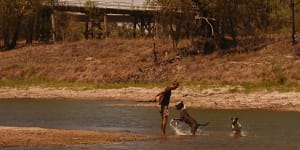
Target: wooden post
x,y
105,28
53,26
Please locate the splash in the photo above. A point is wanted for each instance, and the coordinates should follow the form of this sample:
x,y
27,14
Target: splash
x,y
179,127
238,134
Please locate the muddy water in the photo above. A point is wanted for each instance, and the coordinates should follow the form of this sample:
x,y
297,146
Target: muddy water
x,y
262,129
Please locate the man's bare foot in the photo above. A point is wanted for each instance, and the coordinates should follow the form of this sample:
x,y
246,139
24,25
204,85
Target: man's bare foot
x,y
163,135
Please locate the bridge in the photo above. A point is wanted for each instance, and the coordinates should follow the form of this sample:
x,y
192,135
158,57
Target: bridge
x,y
108,6
138,12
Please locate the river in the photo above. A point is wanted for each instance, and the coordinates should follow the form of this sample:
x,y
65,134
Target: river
x,y
261,129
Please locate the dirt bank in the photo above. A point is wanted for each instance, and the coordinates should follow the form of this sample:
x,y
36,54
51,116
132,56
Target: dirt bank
x,y
217,98
119,60
25,136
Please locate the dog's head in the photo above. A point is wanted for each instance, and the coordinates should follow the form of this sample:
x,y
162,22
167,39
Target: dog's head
x,y
234,120
179,106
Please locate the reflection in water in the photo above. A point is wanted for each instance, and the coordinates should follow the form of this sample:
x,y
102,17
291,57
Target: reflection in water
x,y
261,129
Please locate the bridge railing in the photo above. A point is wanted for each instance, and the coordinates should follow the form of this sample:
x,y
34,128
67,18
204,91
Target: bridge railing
x,y
116,4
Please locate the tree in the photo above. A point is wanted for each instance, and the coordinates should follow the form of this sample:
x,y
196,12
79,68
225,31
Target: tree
x,y
292,5
24,19
30,21
94,16
12,16
175,16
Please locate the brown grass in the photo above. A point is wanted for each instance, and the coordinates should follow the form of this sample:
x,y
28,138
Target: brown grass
x,y
121,60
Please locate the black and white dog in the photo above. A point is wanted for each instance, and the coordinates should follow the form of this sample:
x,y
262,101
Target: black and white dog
x,y
236,127
185,117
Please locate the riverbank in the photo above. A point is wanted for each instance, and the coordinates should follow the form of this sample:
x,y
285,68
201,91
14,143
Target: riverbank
x,y
211,98
33,136
132,61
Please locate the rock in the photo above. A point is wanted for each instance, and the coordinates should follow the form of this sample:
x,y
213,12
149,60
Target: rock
x,y
90,59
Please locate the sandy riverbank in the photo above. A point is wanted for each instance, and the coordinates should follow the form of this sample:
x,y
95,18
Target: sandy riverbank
x,y
32,136
217,98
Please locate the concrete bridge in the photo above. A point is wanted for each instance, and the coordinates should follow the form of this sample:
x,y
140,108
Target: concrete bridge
x,y
139,13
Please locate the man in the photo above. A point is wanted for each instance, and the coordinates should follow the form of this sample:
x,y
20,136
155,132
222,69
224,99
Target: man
x,y
163,98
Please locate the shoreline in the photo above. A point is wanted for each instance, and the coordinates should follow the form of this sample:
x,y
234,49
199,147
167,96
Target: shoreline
x,y
217,98
35,137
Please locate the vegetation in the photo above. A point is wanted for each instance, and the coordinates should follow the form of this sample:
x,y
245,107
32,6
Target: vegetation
x,y
20,83
23,19
122,62
226,24
214,43
197,86
221,24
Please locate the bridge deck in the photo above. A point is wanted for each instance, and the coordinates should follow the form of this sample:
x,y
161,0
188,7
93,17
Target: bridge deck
x,y
106,6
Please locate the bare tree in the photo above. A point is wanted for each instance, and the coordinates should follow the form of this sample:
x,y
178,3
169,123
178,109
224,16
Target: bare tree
x,y
11,20
292,5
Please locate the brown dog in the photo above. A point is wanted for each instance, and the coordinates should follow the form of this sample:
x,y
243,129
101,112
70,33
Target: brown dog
x,y
185,117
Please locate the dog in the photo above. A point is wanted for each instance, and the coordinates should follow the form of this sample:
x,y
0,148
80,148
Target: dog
x,y
236,126
185,117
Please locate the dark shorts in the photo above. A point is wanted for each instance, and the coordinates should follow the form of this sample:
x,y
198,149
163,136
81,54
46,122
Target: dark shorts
x,y
164,111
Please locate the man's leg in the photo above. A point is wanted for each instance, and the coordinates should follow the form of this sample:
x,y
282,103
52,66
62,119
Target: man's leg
x,y
165,114
163,125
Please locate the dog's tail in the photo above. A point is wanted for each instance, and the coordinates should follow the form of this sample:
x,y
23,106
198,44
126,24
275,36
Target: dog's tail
x,y
203,124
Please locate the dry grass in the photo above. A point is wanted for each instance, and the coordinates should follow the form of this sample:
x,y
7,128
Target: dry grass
x,y
124,61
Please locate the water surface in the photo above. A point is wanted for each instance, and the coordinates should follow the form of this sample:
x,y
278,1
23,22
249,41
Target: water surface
x,y
263,129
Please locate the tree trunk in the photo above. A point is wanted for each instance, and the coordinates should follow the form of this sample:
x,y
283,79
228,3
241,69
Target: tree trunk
x,y
53,26
30,30
293,22
232,32
5,35
13,43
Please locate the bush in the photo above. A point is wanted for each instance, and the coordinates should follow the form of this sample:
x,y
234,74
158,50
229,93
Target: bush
x,y
225,43
278,74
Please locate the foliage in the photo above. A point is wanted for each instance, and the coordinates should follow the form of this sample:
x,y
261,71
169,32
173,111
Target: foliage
x,y
96,31
176,17
235,20
22,18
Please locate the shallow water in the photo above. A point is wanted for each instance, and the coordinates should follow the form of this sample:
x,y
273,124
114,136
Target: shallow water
x,y
262,129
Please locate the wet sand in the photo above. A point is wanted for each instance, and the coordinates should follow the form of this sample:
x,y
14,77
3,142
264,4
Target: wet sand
x,y
217,98
33,136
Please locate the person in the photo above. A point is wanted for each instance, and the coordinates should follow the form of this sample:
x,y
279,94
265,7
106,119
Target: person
x,y
187,118
163,98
